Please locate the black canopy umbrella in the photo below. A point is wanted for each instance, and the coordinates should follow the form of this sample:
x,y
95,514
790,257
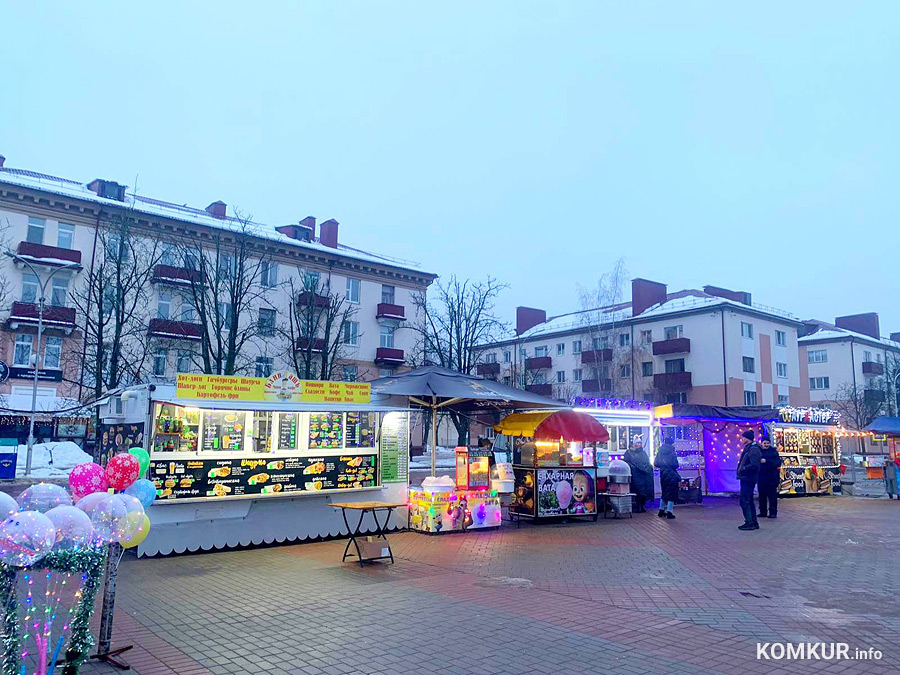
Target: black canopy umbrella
x,y
435,388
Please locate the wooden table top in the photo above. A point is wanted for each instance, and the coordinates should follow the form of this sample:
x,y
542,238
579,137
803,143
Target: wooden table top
x,y
367,506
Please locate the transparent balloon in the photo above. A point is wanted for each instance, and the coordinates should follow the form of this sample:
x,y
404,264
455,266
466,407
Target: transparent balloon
x,y
107,514
144,490
73,527
25,538
88,503
134,515
8,506
43,497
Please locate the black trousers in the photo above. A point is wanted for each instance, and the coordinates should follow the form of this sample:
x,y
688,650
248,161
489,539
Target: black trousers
x,y
640,503
768,498
747,505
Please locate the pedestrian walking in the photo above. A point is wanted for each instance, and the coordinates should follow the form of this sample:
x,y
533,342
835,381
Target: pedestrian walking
x,y
748,475
769,479
669,479
641,474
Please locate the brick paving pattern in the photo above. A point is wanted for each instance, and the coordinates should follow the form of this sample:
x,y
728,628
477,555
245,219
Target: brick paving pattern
x,y
641,595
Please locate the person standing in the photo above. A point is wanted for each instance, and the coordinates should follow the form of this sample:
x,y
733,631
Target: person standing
x,y
748,475
641,474
669,479
769,480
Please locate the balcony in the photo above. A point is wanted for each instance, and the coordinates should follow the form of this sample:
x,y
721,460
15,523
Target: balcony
x,y
596,355
386,310
488,368
54,317
178,276
873,368
316,345
596,386
54,256
673,346
545,389
873,396
538,363
672,381
306,298
388,356
174,330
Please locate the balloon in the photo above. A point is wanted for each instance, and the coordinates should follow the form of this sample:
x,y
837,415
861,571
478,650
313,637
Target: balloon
x,y
8,506
140,535
143,459
73,527
134,515
144,490
122,470
87,478
43,497
25,538
107,514
88,503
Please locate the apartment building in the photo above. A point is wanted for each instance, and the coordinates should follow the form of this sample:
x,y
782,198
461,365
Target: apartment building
x,y
712,346
50,229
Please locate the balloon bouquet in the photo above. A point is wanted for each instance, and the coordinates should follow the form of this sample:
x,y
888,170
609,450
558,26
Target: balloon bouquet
x,y
53,546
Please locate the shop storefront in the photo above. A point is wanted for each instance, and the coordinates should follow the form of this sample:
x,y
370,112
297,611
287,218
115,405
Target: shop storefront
x,y
241,461
809,442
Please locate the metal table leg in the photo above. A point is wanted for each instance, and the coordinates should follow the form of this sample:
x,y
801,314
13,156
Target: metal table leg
x,y
353,535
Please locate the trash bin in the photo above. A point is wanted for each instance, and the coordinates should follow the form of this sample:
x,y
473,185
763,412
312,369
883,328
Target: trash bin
x,y
9,448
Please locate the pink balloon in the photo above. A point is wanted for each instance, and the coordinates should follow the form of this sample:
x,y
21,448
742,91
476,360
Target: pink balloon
x,y
122,470
87,478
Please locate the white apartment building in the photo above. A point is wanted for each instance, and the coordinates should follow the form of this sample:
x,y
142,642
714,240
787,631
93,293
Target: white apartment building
x,y
713,346
50,234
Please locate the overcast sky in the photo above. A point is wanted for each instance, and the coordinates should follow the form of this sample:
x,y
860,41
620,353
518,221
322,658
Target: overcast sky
x,y
748,146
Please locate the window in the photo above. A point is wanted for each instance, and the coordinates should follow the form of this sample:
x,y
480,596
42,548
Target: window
x,y
187,309
677,397
59,292
747,330
386,337
386,372
507,380
540,377
781,369
30,288
576,375
490,357
108,300
818,383
352,290
624,339
646,337
190,260
184,362
674,365
560,348
673,332
351,333
576,346
36,227
388,293
160,357
780,338
226,265
65,234
878,357
601,342
749,364
647,369
782,398
817,356
164,304
266,323
625,370
523,354
560,376
22,354
264,366
348,373
867,356
749,398
268,272
310,280
168,255
53,352
507,356
225,315
541,351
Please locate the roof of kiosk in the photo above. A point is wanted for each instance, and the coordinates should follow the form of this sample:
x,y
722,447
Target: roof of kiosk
x,y
751,413
554,424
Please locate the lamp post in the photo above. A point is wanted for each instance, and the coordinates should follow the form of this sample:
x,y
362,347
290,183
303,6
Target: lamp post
x,y
37,354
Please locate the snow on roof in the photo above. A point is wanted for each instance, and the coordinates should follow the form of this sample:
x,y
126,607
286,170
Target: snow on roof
x,y
21,403
157,207
835,333
581,319
698,300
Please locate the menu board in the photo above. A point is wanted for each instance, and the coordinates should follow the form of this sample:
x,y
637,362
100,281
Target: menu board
x,y
326,431
359,430
222,478
287,431
395,448
223,430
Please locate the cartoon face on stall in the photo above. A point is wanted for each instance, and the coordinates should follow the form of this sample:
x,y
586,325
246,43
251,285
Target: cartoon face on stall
x,y
582,492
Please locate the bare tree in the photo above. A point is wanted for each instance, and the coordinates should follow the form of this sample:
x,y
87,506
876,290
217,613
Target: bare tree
x,y
603,310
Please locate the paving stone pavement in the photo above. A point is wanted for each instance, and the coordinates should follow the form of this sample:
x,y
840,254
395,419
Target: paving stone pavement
x,y
640,595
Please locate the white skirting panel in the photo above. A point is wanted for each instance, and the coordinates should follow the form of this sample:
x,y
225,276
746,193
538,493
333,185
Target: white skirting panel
x,y
201,526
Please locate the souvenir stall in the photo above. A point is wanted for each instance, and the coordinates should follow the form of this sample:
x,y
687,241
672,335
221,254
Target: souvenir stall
x,y
809,442
242,460
888,428
708,443
553,463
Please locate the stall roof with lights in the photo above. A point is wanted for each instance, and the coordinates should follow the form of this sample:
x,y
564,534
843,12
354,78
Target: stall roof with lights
x,y
552,425
885,425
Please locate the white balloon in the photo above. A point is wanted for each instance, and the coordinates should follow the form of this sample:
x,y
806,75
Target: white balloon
x,y
43,497
134,515
25,538
108,517
73,527
8,506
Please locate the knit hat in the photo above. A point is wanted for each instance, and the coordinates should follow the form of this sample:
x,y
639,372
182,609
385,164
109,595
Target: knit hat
x,y
748,434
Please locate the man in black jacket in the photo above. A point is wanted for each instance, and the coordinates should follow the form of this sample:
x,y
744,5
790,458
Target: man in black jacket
x,y
769,479
748,474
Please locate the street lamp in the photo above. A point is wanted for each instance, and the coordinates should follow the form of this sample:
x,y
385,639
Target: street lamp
x,y
37,355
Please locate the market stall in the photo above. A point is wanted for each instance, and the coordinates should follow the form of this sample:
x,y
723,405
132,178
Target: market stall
x,y
553,463
809,442
888,428
254,460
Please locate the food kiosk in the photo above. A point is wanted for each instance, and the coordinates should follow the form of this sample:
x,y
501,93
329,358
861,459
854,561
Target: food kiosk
x,y
553,463
809,442
243,460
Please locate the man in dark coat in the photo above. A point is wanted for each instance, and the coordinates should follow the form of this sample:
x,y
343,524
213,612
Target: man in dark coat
x,y
669,479
641,474
748,474
769,479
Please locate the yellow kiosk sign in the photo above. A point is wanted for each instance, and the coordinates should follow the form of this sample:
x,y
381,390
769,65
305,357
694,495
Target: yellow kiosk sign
x,y
279,387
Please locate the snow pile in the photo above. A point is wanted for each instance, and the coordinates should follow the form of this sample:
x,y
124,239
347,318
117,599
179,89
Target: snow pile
x,y
65,456
446,459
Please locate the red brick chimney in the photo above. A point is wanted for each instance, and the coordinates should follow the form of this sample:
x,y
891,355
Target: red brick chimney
x,y
737,296
217,210
895,337
645,294
528,317
2,159
328,233
867,324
